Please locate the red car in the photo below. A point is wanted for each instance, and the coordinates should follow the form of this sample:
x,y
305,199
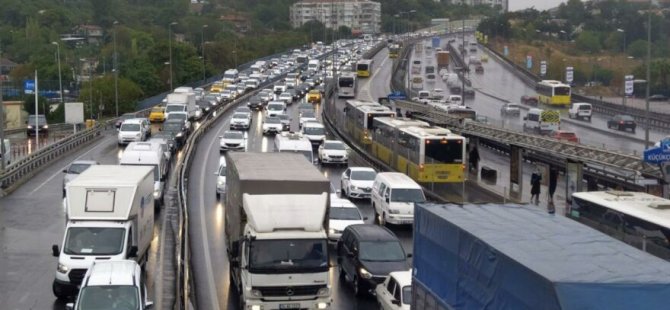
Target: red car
x,y
529,100
565,135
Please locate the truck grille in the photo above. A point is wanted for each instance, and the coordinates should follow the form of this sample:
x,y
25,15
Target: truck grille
x,y
76,276
281,291
336,156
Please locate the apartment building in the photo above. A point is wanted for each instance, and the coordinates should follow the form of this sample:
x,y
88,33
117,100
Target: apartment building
x,y
362,16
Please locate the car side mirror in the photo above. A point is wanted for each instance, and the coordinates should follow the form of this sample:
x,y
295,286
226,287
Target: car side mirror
x,y
64,170
235,249
395,302
55,251
409,255
69,306
133,251
365,218
525,118
149,305
387,198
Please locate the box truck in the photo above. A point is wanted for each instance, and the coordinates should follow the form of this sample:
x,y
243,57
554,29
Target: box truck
x,y
442,60
110,216
152,154
276,231
518,257
187,99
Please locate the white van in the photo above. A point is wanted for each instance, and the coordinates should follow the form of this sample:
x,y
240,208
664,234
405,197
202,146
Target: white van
x,y
131,130
7,156
581,110
542,121
393,198
293,142
154,154
221,177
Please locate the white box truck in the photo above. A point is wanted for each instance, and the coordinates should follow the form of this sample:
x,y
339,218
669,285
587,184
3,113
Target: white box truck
x,y
153,154
276,231
187,99
110,216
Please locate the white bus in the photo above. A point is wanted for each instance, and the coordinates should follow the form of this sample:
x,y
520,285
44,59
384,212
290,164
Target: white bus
x,y
639,219
346,85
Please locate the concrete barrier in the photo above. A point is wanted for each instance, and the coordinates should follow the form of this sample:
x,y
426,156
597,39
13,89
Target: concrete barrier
x,y
489,175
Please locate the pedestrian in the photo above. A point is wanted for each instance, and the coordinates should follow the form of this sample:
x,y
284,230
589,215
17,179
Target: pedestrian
x,y
474,159
553,182
535,180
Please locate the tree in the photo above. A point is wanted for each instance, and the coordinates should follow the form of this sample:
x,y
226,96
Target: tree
x,y
42,105
638,49
589,41
103,93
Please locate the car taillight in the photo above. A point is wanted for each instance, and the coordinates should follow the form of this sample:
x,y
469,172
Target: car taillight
x,y
621,122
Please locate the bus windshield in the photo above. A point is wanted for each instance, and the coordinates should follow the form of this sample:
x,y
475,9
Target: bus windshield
x,y
346,82
362,67
444,151
561,91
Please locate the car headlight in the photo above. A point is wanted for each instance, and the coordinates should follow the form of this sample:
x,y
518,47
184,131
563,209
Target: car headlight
x,y
331,231
393,211
30,127
157,194
62,268
322,305
138,135
221,183
365,274
325,291
256,293
46,126
180,134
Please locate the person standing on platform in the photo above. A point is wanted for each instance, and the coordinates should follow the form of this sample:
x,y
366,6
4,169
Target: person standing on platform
x,y
553,182
535,180
474,159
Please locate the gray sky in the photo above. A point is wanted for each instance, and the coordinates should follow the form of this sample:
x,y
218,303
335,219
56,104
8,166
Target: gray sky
x,y
515,5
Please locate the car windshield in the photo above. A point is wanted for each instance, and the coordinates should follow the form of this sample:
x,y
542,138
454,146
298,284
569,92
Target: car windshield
x,y
94,241
157,110
626,118
308,114
363,175
314,130
130,127
381,251
172,126
334,146
407,295
407,195
272,120
175,108
348,214
240,115
288,256
233,135
275,107
108,297
179,116
222,171
77,168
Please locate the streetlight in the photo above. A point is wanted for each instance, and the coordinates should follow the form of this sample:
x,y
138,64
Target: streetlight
x,y
646,110
90,87
116,73
60,80
170,48
202,41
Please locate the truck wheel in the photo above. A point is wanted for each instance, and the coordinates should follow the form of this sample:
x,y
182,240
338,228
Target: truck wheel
x,y
59,291
382,219
343,276
357,287
242,304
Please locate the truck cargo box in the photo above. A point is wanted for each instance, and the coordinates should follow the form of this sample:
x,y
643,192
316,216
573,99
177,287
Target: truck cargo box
x,y
516,257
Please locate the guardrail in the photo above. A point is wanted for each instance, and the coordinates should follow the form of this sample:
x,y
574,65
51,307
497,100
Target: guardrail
x,y
659,122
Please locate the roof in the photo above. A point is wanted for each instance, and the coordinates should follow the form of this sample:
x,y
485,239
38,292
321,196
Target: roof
x,y
404,278
108,175
397,179
372,232
268,213
362,169
337,202
122,272
266,166
640,205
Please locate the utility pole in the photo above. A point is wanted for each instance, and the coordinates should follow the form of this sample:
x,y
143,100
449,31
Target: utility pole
x,y
646,110
37,112
60,79
2,117
202,41
465,66
170,48
116,73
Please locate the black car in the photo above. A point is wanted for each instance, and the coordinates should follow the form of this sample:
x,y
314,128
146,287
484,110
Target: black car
x,y
124,117
169,137
38,122
285,122
367,253
468,93
204,105
658,97
176,128
622,122
255,103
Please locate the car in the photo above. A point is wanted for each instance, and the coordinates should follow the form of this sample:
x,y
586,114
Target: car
x,y
367,254
279,88
132,130
285,122
314,96
286,96
221,177
622,122
529,100
658,97
182,116
266,95
455,89
232,140
396,291
581,110
356,182
167,138
123,117
307,116
157,114
484,58
342,214
204,105
468,92
510,108
255,102
177,130
239,121
227,95
314,131
564,135
74,169
244,110
333,152
272,125
479,68
275,108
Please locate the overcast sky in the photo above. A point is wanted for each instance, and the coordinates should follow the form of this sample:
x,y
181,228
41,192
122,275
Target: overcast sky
x,y
515,5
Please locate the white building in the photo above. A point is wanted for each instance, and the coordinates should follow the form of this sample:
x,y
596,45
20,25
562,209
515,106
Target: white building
x,y
362,16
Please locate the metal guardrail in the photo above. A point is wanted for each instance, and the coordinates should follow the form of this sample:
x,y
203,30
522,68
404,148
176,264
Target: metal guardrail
x,y
657,121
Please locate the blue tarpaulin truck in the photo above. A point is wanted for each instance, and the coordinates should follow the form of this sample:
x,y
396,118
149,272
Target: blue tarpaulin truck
x,y
516,257
436,42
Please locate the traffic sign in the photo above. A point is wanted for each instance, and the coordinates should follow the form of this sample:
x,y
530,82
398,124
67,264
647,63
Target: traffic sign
x,y
569,77
543,67
29,86
529,62
628,86
397,95
659,154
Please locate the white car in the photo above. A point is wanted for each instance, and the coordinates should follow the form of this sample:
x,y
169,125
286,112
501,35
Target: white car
x,y
272,124
227,95
275,108
74,169
131,130
356,182
333,152
395,293
239,121
233,140
342,214
221,177
286,97
307,116
314,131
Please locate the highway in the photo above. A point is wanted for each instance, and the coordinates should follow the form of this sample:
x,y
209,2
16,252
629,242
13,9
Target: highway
x,y
32,219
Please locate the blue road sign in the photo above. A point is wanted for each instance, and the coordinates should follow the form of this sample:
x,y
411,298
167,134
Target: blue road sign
x,y
659,154
29,86
397,95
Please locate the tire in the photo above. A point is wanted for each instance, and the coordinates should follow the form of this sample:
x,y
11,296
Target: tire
x,y
343,191
382,219
242,305
59,291
357,287
342,274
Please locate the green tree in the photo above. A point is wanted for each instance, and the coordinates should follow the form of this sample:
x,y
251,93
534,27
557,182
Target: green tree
x,y
589,41
638,49
103,92
42,105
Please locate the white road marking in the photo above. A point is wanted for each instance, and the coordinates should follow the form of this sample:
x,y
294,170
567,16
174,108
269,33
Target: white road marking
x,y
366,87
61,169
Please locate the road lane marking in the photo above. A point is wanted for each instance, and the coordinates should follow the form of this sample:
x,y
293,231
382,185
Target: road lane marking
x,y
61,169
368,84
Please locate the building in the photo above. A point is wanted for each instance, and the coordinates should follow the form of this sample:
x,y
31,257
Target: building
x,y
361,16
92,34
504,4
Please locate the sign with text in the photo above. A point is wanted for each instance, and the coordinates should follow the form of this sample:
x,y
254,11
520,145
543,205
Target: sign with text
x,y
543,68
628,85
529,62
569,74
506,51
29,86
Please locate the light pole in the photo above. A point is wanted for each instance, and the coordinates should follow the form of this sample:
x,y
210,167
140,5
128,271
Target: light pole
x,y
2,117
646,110
60,79
170,48
116,73
90,87
202,41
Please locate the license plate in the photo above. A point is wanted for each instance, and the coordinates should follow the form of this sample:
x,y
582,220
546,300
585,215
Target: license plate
x,y
289,306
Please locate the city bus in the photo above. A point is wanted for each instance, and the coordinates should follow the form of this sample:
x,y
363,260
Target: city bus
x,y
394,49
359,116
642,220
552,92
346,85
364,67
423,152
